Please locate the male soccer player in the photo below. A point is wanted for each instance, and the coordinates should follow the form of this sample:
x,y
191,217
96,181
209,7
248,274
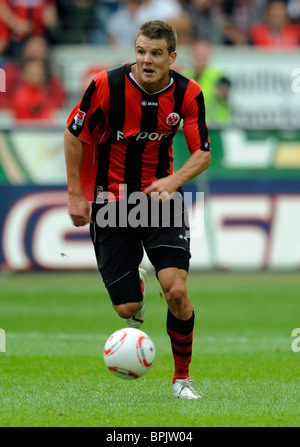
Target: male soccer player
x,y
118,142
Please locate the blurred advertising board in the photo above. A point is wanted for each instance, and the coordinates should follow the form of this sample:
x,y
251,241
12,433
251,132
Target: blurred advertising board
x,y
36,156
246,226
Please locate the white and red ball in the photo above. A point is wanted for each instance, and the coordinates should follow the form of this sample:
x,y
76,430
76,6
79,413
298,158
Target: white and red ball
x,y
129,353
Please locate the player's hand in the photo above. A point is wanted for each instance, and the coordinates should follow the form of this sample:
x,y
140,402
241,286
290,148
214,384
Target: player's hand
x,y
79,210
162,189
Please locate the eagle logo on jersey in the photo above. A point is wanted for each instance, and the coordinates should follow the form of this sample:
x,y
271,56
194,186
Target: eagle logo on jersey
x,y
173,119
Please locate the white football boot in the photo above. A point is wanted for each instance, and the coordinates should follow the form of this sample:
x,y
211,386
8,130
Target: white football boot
x,y
139,317
183,389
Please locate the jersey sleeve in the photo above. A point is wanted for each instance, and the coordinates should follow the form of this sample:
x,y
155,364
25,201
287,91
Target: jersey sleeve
x,y
86,120
87,123
194,124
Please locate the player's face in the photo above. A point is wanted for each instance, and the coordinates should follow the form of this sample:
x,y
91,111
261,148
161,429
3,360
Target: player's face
x,y
153,62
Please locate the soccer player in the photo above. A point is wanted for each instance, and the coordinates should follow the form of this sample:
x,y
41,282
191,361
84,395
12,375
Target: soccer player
x,y
118,143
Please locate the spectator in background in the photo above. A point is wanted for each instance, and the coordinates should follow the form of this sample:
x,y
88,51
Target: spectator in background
x,y
294,10
205,18
21,19
214,84
124,24
238,16
277,31
103,11
33,99
77,19
223,21
170,11
35,47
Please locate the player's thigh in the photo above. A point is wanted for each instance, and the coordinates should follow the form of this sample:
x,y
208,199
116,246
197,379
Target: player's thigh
x,y
174,258
118,252
171,231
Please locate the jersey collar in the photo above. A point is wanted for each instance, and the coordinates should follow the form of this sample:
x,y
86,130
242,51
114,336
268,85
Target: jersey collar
x,y
134,81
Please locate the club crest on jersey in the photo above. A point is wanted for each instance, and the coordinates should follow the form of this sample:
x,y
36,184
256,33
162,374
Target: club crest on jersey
x,y
79,117
173,119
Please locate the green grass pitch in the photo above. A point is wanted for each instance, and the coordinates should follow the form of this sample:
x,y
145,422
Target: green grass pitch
x,y
52,373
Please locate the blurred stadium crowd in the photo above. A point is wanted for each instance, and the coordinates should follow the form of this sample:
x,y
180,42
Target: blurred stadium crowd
x,y
30,29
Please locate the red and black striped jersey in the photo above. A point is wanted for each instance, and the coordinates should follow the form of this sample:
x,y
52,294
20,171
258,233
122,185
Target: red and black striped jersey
x,y
128,133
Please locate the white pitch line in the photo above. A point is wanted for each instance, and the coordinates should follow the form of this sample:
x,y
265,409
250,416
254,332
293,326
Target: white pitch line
x,y
206,339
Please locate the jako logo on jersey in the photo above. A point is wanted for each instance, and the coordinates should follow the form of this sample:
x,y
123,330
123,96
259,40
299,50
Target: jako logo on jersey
x,y
149,103
153,136
79,117
173,119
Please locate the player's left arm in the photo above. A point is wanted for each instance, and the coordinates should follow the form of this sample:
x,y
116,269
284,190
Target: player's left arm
x,y
196,163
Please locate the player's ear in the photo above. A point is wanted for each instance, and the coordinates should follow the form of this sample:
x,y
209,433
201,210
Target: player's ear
x,y
173,56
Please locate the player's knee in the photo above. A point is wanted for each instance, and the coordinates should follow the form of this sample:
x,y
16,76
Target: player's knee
x,y
128,310
176,294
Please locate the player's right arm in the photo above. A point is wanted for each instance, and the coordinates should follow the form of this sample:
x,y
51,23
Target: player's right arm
x,y
79,208
79,134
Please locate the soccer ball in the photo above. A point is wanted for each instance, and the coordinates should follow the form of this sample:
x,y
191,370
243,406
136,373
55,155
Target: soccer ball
x,y
129,353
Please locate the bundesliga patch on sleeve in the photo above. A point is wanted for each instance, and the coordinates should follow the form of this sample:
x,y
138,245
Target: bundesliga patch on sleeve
x,y
79,117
